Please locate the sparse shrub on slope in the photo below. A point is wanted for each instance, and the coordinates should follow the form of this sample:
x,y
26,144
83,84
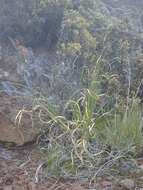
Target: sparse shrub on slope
x,y
72,144
90,140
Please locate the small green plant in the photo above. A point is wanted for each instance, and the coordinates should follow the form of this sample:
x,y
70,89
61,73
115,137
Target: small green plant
x,y
124,131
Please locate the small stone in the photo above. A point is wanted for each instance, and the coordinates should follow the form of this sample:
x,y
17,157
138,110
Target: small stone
x,y
6,74
128,184
106,184
76,186
32,186
9,181
8,188
17,187
141,167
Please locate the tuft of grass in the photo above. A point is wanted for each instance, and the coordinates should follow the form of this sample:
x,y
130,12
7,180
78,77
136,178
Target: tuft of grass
x,y
125,131
74,148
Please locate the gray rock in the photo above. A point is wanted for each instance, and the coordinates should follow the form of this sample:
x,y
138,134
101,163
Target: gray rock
x,y
129,184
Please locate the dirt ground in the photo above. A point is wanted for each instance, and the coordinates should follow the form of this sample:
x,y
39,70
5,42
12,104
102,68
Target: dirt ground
x,y
20,170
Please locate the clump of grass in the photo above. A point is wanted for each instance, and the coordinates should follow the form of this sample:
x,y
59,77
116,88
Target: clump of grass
x,y
124,131
79,146
74,148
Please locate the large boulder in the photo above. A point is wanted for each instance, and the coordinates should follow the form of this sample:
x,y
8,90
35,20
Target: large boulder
x,y
25,129
8,132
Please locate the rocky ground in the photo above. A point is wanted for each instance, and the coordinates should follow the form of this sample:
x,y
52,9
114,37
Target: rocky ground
x,y
23,169
19,171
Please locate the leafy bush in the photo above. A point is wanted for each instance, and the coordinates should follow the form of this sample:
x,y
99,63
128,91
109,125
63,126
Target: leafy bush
x,y
74,30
